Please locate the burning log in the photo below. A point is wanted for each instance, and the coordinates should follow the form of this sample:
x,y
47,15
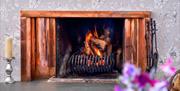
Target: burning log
x,y
107,39
87,49
95,45
102,43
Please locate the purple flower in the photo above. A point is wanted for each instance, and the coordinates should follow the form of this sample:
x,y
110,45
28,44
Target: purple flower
x,y
159,86
129,89
117,88
130,70
135,80
129,73
124,80
144,79
167,67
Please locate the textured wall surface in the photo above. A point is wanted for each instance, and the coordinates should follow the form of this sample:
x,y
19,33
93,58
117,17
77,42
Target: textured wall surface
x,y
165,12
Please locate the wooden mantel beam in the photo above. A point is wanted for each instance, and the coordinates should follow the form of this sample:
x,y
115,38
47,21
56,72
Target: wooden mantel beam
x,y
86,14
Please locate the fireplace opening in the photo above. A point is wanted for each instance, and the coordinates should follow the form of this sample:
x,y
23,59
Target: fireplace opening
x,y
89,47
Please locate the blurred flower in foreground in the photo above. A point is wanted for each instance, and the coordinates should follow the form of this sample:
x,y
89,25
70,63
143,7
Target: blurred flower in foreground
x,y
167,67
144,79
129,74
159,86
130,70
133,79
117,88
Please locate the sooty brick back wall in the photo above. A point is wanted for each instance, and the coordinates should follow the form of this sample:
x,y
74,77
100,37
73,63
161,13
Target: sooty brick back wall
x,y
165,12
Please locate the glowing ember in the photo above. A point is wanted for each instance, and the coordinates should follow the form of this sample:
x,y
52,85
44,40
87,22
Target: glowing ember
x,y
89,62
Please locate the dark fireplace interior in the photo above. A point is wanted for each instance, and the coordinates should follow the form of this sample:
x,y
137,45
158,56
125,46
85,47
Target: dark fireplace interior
x,y
89,47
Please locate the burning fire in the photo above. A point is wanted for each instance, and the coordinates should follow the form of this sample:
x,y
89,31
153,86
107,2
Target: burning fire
x,y
97,46
97,51
87,48
91,44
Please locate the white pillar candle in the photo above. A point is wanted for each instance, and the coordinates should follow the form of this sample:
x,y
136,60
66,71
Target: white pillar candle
x,y
9,47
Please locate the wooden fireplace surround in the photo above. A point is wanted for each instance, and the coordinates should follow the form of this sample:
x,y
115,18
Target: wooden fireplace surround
x,y
38,39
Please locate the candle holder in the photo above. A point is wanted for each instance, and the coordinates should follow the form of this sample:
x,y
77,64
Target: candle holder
x,y
9,70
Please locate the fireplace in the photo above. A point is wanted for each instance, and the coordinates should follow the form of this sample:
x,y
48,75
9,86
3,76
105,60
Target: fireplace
x,y
89,46
82,44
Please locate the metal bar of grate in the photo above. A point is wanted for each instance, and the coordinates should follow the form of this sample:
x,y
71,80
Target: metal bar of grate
x,y
89,64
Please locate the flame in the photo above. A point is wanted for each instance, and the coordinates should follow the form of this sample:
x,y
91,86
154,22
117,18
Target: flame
x,y
89,35
95,34
97,51
89,50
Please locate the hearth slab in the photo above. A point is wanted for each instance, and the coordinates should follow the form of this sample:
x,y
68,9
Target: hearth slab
x,y
81,80
43,85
